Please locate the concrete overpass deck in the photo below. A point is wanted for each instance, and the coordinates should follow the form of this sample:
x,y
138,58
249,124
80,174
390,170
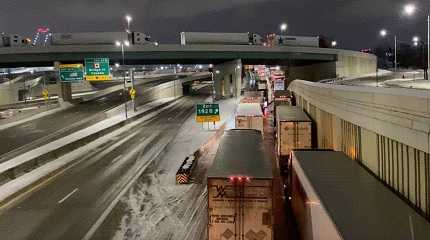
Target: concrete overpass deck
x,y
169,53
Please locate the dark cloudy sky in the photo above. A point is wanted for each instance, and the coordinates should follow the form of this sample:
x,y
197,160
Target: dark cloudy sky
x,y
354,23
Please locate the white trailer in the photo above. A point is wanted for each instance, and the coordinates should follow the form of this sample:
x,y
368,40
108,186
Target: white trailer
x,y
108,38
299,41
294,129
249,116
88,38
334,198
240,189
220,38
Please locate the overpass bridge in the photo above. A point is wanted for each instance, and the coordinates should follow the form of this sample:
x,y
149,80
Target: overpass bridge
x,y
324,60
387,130
300,62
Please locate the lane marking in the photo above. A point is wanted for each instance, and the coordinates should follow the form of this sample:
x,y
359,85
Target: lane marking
x,y
117,158
67,196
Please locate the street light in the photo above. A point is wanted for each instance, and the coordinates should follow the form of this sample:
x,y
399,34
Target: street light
x,y
410,9
128,18
384,33
333,44
122,44
283,28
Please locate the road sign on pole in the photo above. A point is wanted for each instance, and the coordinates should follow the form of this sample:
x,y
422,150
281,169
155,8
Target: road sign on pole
x,y
132,93
97,69
208,112
45,94
71,72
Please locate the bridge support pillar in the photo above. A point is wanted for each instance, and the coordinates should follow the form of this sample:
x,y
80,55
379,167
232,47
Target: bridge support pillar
x,y
65,91
228,79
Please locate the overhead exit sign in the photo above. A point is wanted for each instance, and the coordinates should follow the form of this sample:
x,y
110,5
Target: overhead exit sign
x,y
97,69
208,112
71,72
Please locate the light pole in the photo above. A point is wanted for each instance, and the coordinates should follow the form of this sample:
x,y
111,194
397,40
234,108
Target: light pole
x,y
122,44
333,44
410,9
384,33
283,28
128,18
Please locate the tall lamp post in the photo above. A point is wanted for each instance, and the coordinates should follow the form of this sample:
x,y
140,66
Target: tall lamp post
x,y
128,18
333,44
283,28
384,33
410,9
122,44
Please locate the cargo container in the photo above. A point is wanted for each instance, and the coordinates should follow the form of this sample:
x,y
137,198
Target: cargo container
x,y
249,116
294,129
220,38
253,97
240,189
334,197
89,38
299,41
294,41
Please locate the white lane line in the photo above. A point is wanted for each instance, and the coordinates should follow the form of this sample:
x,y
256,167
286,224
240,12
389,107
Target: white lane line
x,y
67,196
117,158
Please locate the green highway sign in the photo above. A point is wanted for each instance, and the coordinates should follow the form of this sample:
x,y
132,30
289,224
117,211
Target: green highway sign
x,y
207,112
97,69
71,72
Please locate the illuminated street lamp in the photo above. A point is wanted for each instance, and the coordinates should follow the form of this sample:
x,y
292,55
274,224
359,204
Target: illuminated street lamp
x,y
283,28
384,33
333,44
411,9
122,44
128,18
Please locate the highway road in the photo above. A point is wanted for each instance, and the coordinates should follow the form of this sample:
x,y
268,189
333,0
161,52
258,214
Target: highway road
x,y
32,134
68,205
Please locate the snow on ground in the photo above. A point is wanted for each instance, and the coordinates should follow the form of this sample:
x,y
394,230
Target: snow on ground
x,y
157,208
409,83
16,185
36,116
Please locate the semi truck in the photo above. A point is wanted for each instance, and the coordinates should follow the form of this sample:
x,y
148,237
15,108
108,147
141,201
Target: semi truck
x,y
240,188
13,40
249,116
294,130
188,38
92,38
296,41
334,198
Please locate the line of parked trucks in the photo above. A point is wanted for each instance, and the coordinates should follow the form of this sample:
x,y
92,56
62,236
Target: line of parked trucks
x,y
139,38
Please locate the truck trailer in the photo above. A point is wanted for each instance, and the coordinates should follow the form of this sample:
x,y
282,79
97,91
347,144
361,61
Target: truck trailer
x,y
333,197
294,129
93,38
220,38
249,116
240,189
294,41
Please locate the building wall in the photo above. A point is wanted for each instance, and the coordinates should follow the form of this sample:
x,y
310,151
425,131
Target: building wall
x,y
348,64
351,64
385,130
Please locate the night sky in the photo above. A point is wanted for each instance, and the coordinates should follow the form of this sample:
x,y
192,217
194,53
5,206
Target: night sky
x,y
353,23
